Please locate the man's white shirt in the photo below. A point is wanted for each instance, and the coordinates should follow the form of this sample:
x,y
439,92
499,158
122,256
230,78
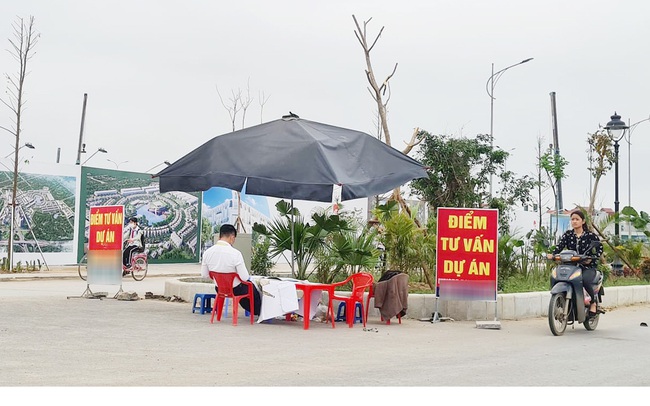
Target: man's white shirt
x,y
223,258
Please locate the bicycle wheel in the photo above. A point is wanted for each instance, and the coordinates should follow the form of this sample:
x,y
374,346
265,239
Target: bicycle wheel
x,y
82,267
139,269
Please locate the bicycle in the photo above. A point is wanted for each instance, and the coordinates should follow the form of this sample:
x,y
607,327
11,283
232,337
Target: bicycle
x,y
138,269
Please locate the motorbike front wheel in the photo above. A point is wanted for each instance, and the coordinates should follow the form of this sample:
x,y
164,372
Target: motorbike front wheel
x,y
557,318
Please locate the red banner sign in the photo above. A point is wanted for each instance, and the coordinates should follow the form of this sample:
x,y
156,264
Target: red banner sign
x,y
105,245
466,254
106,225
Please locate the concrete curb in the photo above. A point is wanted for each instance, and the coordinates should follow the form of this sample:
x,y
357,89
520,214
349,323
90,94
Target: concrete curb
x,y
511,306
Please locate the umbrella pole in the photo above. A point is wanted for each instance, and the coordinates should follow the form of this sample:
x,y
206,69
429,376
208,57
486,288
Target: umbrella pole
x,y
293,220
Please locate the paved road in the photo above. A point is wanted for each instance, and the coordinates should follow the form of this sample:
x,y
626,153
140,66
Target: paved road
x,y
47,339
165,352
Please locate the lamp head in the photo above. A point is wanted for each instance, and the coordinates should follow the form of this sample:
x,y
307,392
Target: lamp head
x,y
30,145
616,127
102,150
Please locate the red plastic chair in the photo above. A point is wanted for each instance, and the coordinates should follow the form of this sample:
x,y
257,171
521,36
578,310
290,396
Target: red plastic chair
x,y
224,282
360,282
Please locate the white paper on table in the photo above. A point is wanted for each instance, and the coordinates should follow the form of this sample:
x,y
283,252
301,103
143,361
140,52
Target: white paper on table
x,y
288,296
278,298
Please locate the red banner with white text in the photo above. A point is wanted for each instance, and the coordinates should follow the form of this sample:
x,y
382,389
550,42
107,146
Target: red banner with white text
x,y
466,254
105,245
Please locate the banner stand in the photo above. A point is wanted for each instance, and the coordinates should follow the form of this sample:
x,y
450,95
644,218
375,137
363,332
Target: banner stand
x,y
467,257
89,294
435,317
495,324
104,256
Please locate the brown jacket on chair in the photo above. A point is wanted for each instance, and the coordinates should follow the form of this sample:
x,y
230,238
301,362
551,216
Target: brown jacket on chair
x,y
391,296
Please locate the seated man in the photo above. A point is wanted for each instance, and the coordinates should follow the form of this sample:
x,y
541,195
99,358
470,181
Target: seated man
x,y
132,238
223,257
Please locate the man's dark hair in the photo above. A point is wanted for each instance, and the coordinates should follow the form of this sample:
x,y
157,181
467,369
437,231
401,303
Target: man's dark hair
x,y
226,230
134,219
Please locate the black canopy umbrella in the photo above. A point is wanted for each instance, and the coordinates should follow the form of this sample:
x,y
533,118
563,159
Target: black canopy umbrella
x,y
293,158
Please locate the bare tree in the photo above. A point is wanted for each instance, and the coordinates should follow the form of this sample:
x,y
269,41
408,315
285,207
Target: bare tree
x,y
245,102
239,102
24,40
381,95
233,106
376,90
600,162
262,99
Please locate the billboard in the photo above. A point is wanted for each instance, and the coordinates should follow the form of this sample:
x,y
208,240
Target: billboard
x,y
170,221
45,218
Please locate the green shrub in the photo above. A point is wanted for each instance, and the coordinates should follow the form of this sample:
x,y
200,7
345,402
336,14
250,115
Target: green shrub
x,y
645,269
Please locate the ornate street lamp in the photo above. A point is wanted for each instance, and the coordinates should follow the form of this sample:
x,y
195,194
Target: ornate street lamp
x,y
616,130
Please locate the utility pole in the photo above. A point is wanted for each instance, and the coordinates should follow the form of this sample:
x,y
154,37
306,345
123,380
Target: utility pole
x,y
81,131
556,142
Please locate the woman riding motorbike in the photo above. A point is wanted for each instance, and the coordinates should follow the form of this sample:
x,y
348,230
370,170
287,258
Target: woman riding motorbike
x,y
580,239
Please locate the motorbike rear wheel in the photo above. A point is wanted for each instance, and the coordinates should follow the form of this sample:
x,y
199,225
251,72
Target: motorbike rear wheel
x,y
591,323
557,318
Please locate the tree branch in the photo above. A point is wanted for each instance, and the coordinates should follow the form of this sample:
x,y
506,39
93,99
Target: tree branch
x,y
8,130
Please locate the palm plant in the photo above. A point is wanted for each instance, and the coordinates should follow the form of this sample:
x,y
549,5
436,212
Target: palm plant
x,y
426,241
308,240
354,251
509,257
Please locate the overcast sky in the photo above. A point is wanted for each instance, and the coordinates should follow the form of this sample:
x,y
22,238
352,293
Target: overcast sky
x,y
151,70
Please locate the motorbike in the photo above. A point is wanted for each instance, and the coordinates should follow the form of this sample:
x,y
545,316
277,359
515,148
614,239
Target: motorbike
x,y
569,301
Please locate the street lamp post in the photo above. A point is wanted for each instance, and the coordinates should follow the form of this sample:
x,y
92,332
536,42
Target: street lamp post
x,y
94,153
117,165
629,159
152,168
27,144
616,130
489,88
